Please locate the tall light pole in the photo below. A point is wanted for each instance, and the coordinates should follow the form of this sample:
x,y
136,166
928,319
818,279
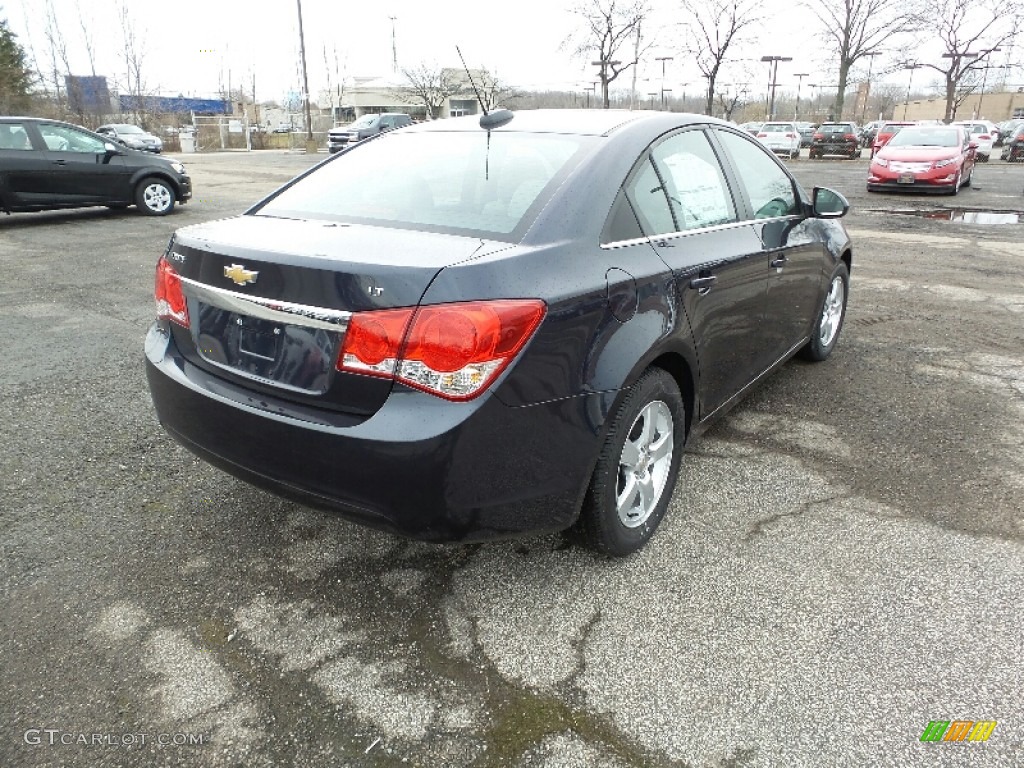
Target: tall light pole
x,y
394,47
305,83
871,62
663,60
604,65
958,71
906,104
773,71
799,84
981,96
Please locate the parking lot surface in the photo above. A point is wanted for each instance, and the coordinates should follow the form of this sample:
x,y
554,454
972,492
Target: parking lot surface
x,y
842,562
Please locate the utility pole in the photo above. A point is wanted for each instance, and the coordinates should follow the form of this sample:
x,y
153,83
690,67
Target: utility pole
x,y
867,93
394,47
310,144
799,85
773,71
663,59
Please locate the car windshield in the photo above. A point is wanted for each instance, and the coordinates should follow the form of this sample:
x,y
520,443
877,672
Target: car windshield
x,y
364,122
776,127
926,137
890,128
128,129
836,129
457,182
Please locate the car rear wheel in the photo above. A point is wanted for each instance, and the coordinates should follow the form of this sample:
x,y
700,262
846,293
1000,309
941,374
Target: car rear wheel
x,y
830,318
154,197
637,468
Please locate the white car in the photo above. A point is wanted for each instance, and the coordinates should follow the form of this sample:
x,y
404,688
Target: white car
x,y
781,138
983,133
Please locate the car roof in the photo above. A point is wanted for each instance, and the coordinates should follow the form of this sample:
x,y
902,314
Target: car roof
x,y
585,122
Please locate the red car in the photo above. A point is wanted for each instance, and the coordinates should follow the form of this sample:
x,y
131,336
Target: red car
x,y
934,158
885,133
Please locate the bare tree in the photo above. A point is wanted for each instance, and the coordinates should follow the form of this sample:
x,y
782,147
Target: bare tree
x,y
714,26
970,33
857,29
431,86
609,26
133,48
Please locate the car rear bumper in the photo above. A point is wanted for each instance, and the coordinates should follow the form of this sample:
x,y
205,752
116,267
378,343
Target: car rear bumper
x,y
420,467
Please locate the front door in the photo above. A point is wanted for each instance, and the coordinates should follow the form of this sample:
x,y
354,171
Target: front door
x,y
81,169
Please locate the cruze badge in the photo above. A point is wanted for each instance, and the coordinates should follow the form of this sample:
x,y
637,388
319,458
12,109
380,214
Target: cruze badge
x,y
240,274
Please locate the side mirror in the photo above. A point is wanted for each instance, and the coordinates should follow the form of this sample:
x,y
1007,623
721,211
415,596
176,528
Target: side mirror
x,y
110,148
973,145
828,204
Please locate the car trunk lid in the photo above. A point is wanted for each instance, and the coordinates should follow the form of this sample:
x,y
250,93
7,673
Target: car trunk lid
x,y
270,300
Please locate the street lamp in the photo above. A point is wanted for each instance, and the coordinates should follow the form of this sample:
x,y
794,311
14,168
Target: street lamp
x,y
799,84
906,104
663,59
773,70
981,96
604,64
871,62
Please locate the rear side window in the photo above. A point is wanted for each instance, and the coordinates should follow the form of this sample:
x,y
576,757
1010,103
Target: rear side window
x,y
768,186
13,136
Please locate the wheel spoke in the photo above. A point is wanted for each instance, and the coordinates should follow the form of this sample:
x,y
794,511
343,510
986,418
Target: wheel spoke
x,y
648,497
630,455
661,448
627,498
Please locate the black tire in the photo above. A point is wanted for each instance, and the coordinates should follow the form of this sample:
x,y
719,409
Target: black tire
x,y
829,323
154,196
651,415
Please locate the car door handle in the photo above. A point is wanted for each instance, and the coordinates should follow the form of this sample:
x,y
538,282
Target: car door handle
x,y
59,162
703,284
778,263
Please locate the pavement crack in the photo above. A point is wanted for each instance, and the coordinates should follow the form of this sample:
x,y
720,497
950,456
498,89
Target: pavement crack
x,y
759,526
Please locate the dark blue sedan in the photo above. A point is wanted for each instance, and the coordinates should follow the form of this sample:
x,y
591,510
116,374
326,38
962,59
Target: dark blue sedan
x,y
475,328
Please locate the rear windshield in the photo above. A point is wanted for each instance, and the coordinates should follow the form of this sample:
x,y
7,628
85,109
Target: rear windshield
x,y
777,127
841,128
460,182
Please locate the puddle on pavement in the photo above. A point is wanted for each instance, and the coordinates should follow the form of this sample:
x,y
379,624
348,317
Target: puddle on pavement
x,y
962,215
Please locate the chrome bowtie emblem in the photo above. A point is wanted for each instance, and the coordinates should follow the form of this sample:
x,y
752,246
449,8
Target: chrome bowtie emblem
x,y
240,274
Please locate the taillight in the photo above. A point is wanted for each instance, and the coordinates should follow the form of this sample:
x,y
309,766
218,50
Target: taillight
x,y
790,135
984,137
761,135
453,351
170,301
850,136
818,136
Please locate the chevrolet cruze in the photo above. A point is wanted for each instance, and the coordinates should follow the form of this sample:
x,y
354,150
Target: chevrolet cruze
x,y
475,328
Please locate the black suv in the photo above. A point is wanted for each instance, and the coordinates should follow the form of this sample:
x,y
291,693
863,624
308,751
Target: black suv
x,y
835,139
48,164
365,127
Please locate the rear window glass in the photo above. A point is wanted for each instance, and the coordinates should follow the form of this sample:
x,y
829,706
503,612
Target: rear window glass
x,y
841,128
457,182
777,127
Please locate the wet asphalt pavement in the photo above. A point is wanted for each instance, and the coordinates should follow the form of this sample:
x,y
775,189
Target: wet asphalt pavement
x,y
841,564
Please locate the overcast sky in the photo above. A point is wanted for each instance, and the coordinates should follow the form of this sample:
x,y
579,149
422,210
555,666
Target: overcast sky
x,y
194,46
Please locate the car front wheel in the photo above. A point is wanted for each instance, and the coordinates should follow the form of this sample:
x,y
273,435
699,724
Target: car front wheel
x,y
154,197
637,468
830,318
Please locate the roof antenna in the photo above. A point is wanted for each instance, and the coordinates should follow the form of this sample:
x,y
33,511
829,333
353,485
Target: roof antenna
x,y
488,120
